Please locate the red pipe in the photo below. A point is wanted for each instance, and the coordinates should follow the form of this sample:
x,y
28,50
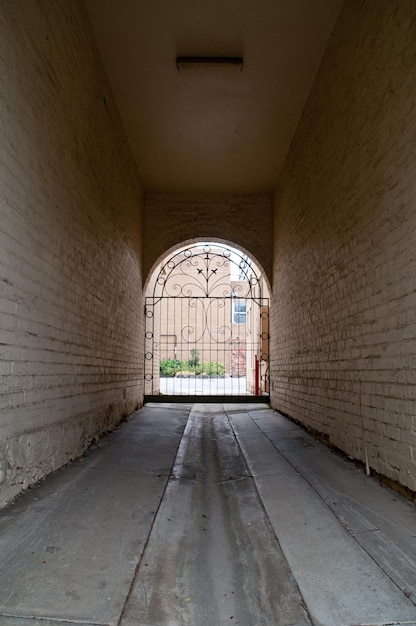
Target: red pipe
x,y
256,376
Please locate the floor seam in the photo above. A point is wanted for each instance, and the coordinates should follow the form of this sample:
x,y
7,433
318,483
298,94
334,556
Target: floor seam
x,y
350,533
139,562
56,620
260,500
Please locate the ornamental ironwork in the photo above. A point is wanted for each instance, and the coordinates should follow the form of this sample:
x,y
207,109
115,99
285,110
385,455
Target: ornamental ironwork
x,y
208,272
207,326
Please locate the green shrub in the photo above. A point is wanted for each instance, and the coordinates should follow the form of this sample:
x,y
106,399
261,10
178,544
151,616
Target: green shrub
x,y
194,359
170,367
213,369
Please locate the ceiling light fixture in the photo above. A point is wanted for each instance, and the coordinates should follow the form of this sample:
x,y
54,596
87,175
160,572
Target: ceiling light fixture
x,y
209,63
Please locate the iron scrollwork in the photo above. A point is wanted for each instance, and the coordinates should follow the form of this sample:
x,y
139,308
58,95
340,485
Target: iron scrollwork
x,y
196,294
205,272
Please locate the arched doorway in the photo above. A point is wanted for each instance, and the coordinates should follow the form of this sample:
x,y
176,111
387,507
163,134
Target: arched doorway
x,y
207,327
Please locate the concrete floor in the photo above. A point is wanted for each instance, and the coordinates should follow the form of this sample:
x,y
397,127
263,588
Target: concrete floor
x,y
205,515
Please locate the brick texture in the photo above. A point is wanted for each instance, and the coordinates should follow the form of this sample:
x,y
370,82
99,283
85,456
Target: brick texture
x,y
344,307
242,221
70,245
342,253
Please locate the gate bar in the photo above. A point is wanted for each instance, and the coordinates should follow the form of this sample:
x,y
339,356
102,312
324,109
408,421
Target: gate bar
x,y
208,399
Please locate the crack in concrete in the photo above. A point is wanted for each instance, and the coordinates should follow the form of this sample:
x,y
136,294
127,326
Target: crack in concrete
x,y
53,620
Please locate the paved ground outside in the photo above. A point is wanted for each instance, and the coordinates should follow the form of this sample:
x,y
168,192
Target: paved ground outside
x,y
204,386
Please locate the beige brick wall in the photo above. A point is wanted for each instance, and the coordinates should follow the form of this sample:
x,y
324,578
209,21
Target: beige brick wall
x,y
344,308
243,221
70,245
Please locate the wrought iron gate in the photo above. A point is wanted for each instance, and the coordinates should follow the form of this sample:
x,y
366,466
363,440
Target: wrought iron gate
x,y
207,329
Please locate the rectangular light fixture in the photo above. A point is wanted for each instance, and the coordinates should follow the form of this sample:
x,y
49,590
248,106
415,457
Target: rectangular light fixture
x,y
196,63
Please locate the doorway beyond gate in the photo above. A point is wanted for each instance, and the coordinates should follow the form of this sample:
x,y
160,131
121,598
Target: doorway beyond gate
x,y
207,328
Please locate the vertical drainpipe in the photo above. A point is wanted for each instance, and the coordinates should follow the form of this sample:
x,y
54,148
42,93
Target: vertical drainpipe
x,y
367,465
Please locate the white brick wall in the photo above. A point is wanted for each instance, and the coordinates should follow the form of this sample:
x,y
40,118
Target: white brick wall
x,y
344,321
244,221
70,245
344,261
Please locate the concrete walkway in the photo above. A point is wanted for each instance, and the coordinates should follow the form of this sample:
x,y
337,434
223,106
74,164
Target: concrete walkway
x,y
206,515
195,386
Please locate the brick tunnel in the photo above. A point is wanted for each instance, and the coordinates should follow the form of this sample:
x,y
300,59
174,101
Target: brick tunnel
x,y
80,235
85,218
303,158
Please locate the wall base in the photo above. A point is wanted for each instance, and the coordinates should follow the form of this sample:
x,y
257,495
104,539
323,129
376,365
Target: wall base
x,y
31,456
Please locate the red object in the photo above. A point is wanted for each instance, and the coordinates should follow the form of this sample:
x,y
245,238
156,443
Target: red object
x,y
256,375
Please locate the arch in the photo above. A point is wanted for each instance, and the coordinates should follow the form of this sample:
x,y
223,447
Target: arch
x,y
154,269
206,317
244,222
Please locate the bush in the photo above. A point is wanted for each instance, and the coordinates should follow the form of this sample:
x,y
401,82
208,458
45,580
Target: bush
x,y
171,367
213,369
194,359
